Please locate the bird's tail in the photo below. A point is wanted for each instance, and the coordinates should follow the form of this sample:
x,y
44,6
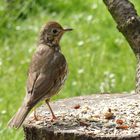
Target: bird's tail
x,y
17,120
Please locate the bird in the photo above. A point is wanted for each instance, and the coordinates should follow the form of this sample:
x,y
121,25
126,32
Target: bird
x,y
46,74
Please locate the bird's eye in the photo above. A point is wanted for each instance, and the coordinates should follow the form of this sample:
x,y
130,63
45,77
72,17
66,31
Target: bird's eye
x,y
54,31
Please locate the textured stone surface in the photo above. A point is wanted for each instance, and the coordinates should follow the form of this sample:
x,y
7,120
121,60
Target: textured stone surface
x,y
73,127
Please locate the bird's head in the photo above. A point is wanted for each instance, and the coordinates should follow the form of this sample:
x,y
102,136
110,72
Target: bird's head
x,y
52,33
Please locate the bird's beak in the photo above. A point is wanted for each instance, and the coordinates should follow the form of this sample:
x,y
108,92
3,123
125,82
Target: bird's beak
x,y
67,29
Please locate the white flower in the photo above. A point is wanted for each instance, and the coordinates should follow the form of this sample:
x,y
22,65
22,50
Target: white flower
x,y
18,27
80,71
0,62
74,83
89,17
3,112
94,6
80,43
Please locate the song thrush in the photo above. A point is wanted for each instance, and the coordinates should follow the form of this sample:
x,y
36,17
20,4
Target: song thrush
x,y
47,72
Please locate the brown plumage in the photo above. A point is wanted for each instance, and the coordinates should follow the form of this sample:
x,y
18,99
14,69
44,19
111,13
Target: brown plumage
x,y
47,71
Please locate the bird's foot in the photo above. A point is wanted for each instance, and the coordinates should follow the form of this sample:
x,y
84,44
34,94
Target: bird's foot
x,y
54,118
35,116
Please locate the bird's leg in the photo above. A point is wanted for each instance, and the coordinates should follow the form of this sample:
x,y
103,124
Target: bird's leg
x,y
53,116
35,116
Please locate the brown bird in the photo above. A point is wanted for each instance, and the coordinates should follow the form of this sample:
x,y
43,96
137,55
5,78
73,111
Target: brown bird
x,y
47,72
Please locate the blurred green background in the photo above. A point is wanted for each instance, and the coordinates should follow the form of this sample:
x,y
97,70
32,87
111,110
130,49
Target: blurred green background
x,y
99,58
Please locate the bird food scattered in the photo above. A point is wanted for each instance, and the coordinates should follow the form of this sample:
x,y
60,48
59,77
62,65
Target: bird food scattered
x,y
77,106
117,116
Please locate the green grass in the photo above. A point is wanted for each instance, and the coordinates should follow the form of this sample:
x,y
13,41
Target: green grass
x,y
99,58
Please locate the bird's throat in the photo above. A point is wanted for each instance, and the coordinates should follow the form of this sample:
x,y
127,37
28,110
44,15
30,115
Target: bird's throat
x,y
50,43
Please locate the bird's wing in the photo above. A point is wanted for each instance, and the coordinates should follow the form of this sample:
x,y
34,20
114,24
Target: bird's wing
x,y
41,83
35,68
